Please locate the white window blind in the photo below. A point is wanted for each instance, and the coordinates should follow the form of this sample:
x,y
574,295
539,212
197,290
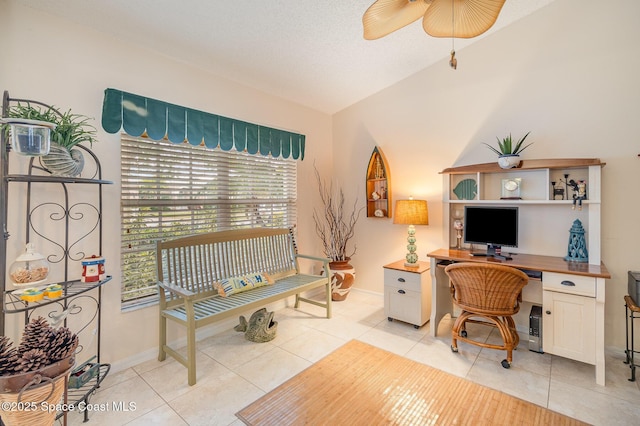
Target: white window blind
x,y
170,190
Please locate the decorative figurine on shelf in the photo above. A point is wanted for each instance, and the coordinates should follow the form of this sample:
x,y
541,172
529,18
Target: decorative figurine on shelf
x,y
379,171
558,191
458,226
577,250
579,192
375,195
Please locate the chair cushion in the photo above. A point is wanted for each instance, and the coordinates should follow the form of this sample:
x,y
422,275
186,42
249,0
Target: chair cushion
x,y
242,283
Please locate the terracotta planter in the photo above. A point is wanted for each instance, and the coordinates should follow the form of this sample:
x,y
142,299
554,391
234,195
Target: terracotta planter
x,y
342,277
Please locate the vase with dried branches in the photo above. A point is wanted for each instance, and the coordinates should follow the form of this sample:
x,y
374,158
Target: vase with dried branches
x,y
335,225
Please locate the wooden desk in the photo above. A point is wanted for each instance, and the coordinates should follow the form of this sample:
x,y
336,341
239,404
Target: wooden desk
x,y
573,296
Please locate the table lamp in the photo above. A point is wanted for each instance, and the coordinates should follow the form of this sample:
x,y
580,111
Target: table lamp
x,y
411,212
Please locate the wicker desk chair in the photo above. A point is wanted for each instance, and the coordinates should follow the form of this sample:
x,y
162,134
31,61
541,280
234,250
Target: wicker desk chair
x,y
492,293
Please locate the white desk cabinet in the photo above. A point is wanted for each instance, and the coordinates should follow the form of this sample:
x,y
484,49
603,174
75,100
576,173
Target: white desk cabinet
x,y
407,293
569,316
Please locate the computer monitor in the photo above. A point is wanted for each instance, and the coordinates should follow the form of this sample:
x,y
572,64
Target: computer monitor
x,y
493,226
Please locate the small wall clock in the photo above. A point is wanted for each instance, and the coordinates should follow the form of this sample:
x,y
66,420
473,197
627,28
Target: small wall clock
x,y
511,189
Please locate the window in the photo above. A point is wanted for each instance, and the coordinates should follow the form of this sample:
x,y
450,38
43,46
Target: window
x,y
170,190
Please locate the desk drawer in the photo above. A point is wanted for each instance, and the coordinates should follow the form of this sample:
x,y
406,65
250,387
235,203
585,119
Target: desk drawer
x,y
572,284
402,279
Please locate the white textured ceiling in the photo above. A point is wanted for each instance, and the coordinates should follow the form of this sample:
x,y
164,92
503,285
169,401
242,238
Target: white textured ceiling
x,y
308,51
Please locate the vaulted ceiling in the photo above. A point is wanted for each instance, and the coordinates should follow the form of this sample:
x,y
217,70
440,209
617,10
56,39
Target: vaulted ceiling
x,y
307,51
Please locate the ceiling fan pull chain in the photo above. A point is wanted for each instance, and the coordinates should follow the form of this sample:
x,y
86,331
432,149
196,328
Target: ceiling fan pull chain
x,y
453,62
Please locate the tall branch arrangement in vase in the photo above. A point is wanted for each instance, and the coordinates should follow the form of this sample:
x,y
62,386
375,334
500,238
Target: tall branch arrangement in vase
x,y
335,223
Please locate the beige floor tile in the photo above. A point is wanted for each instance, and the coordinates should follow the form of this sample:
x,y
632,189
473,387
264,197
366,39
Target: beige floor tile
x,y
161,416
313,345
591,406
216,401
402,328
171,381
437,353
343,327
119,404
272,369
114,379
515,381
231,349
538,363
382,338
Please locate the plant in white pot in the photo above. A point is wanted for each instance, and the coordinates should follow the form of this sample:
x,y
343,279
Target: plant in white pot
x,y
508,152
335,225
70,130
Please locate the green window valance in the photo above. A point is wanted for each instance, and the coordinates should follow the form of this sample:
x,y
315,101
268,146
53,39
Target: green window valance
x,y
138,114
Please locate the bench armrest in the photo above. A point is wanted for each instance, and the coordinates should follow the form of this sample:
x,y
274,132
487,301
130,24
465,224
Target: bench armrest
x,y
324,260
179,291
319,259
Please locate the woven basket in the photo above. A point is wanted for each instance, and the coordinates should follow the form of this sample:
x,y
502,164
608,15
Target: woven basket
x,y
35,403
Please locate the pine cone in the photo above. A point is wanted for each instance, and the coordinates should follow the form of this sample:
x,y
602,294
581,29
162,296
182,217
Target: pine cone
x,y
32,360
37,335
62,345
8,356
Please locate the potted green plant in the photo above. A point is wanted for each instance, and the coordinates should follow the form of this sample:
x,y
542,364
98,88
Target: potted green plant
x,y
335,225
508,153
70,130
30,130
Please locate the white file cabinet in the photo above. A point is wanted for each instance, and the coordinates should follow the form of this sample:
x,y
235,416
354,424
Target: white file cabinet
x,y
407,293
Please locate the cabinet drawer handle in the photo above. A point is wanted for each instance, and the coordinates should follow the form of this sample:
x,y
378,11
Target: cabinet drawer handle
x,y
401,280
568,283
548,312
401,292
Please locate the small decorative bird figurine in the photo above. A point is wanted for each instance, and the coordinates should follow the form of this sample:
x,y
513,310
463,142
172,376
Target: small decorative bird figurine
x,y
453,62
57,319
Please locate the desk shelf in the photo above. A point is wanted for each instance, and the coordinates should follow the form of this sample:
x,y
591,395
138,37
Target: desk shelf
x,y
541,208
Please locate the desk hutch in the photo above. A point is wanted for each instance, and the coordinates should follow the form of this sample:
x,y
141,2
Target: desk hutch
x,y
572,294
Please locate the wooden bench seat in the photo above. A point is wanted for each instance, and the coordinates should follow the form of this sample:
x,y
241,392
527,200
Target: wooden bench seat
x,y
188,267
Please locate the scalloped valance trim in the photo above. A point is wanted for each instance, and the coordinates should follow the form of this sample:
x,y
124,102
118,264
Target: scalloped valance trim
x,y
137,115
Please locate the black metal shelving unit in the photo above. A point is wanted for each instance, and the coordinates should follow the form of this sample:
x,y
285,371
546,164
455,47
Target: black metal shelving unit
x,y
81,300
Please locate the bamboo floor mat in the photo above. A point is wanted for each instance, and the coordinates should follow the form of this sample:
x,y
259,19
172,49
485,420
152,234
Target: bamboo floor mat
x,y
359,384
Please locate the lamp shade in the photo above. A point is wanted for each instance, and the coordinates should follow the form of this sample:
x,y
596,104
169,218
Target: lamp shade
x,y
411,212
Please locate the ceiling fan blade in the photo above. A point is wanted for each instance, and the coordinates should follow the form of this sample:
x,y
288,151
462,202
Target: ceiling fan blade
x,y
472,17
385,16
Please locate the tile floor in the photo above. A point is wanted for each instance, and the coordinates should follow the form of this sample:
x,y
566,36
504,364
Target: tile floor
x,y
233,372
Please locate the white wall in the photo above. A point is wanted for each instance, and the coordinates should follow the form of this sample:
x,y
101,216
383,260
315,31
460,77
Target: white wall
x,y
69,66
568,74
